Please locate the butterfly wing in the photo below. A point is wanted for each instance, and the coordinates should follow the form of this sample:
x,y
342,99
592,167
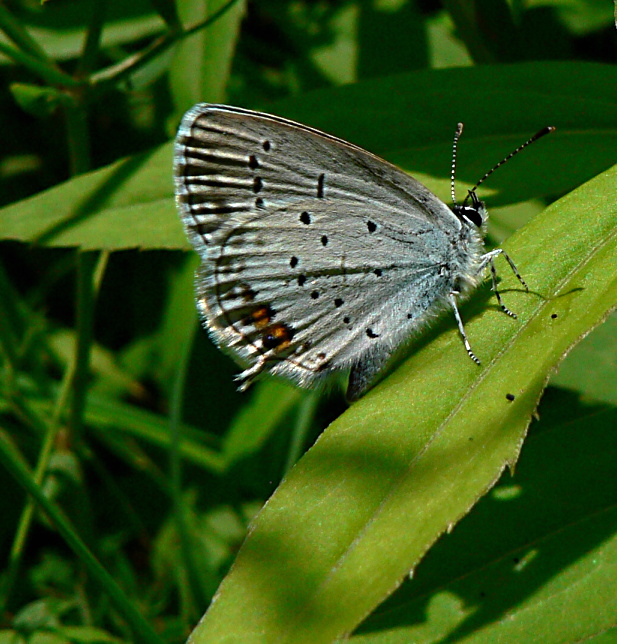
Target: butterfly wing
x,y
316,255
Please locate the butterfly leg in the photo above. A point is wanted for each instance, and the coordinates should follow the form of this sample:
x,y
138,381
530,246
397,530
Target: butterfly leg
x,y
489,258
461,328
247,377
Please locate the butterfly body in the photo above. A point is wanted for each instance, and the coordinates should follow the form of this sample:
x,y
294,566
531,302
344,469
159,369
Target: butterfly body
x,y
317,256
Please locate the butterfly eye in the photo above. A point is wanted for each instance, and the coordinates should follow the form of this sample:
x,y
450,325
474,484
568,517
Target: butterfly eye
x,y
471,214
474,215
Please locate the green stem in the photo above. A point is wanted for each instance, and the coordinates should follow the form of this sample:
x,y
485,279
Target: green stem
x,y
79,152
78,138
86,266
200,597
8,330
50,74
15,30
50,431
130,65
92,43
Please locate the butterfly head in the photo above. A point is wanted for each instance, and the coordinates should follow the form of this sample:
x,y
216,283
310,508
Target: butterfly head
x,y
474,214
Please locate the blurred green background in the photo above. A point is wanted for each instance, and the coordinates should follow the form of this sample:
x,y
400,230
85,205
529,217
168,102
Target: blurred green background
x,y
115,406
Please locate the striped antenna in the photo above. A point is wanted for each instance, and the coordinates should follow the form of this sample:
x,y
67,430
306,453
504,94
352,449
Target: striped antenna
x,y
535,137
457,136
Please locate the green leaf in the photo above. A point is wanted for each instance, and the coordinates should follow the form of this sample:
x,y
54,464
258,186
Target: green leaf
x,y
537,555
255,422
408,118
202,62
87,635
407,461
591,368
113,417
125,205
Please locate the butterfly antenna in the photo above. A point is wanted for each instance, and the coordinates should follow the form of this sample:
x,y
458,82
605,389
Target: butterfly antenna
x,y
535,137
457,136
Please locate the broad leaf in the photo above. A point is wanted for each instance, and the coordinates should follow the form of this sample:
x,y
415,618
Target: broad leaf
x,y
408,118
407,461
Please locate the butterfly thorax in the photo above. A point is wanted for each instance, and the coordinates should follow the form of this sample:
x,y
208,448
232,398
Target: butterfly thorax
x,y
469,248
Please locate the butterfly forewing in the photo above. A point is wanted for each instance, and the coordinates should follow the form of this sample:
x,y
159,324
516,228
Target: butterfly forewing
x,y
316,255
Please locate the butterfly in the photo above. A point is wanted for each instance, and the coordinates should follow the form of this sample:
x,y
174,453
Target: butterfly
x,y
316,255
